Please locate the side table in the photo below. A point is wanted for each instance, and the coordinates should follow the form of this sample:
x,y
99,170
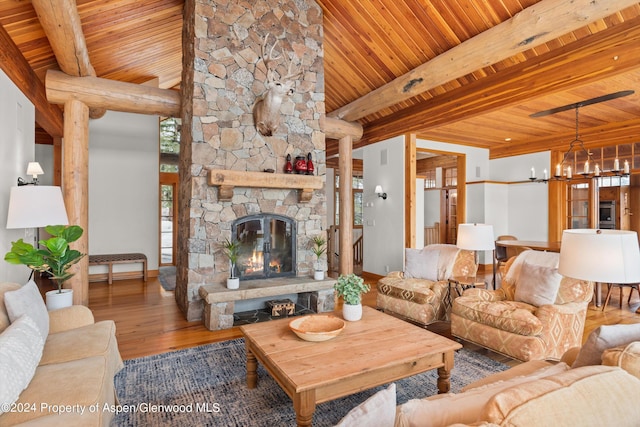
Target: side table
x,y
459,284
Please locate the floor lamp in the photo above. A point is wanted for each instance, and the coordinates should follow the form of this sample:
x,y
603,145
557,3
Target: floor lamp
x,y
35,206
476,237
604,256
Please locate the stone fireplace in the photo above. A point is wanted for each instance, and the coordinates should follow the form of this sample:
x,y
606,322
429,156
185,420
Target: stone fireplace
x,y
232,179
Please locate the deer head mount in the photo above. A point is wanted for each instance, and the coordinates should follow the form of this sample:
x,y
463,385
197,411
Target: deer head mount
x,y
266,111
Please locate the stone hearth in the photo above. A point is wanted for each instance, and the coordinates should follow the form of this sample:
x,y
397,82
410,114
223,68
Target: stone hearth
x,y
314,295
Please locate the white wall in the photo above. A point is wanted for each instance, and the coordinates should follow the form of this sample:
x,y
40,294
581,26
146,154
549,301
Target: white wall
x,y
383,230
17,118
431,207
527,202
123,187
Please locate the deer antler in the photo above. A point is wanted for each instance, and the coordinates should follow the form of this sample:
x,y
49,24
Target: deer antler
x,y
267,58
290,73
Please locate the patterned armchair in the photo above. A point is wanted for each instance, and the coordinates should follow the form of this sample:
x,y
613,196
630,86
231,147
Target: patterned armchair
x,y
419,292
536,314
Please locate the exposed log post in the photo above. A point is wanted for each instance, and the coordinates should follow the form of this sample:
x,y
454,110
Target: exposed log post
x,y
61,23
112,95
336,128
540,23
75,187
345,169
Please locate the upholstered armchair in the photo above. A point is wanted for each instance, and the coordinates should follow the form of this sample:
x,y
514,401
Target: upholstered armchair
x,y
418,293
536,314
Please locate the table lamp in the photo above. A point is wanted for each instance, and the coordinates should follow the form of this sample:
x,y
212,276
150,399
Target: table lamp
x,y
476,237
606,256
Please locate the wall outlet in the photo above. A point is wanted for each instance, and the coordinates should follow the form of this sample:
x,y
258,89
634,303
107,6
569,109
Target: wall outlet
x,y
386,268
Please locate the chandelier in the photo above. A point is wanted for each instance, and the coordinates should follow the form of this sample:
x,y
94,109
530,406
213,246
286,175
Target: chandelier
x,y
563,170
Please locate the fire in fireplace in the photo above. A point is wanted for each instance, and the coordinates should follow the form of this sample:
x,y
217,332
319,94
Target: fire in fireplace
x,y
267,246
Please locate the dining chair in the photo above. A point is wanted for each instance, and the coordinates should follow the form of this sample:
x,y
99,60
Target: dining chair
x,y
633,286
502,254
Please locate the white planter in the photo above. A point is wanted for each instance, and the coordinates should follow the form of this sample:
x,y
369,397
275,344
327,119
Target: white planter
x,y
318,275
56,300
233,283
352,312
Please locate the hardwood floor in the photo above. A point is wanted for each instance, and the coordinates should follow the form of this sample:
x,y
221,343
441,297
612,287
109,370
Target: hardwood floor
x,y
148,320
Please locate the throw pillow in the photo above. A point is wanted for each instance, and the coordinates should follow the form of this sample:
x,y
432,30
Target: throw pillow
x,y
602,338
27,300
421,264
377,411
4,316
464,408
537,285
20,351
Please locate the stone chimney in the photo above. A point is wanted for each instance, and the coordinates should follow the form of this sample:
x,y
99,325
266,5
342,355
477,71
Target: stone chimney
x,y
223,77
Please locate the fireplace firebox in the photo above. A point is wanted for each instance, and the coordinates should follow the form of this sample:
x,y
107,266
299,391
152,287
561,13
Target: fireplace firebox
x,y
267,246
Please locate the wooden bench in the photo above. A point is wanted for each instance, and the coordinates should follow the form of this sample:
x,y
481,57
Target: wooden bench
x,y
110,259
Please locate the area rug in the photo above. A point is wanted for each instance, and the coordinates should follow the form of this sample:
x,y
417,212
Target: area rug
x,y
167,278
206,386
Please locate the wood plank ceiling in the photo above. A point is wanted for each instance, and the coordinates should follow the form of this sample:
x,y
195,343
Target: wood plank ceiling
x,y
369,43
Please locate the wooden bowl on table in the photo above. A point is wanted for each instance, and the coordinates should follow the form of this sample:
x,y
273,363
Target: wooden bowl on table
x,y
317,327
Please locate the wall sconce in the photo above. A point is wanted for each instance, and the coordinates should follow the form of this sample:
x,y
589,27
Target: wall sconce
x,y
34,169
380,193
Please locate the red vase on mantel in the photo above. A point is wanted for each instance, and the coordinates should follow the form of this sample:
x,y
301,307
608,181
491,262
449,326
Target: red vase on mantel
x,y
310,168
288,167
301,165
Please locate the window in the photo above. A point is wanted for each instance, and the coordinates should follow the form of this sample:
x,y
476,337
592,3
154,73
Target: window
x,y
430,179
357,184
578,206
169,153
169,144
450,177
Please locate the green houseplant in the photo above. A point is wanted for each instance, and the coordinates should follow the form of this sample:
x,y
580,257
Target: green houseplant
x,y
351,287
231,249
318,249
53,256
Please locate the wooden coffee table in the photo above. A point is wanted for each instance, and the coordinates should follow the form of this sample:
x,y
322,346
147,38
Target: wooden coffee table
x,y
375,350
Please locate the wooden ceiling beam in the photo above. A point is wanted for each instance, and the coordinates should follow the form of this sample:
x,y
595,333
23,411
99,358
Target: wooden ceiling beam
x,y
336,128
61,24
535,25
611,133
584,61
112,95
16,67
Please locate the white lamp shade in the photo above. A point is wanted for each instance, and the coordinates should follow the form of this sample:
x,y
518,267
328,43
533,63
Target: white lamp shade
x,y
607,256
378,189
33,206
34,169
476,237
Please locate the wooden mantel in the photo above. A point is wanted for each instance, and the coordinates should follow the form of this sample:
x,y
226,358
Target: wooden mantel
x,y
228,179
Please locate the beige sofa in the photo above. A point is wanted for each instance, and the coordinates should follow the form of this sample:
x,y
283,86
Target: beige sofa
x,y
420,292
72,383
536,314
592,386
595,385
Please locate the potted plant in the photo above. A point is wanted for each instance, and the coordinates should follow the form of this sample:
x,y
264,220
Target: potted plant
x,y
351,287
232,251
318,249
54,257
